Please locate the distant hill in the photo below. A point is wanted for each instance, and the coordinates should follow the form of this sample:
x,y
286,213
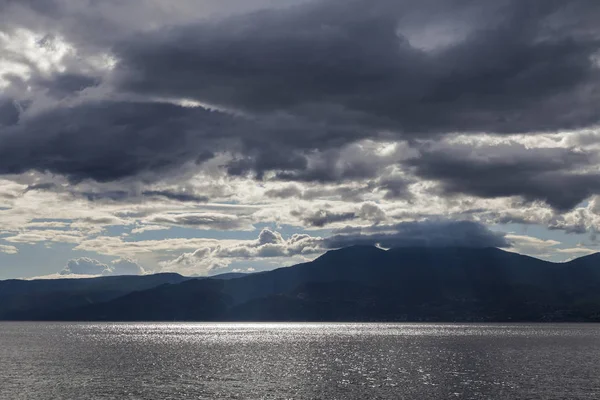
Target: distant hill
x,y
36,299
229,275
363,283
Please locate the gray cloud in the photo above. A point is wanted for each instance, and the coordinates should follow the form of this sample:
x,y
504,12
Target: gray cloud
x,y
345,193
9,112
107,141
422,233
310,79
394,187
205,220
110,195
177,196
286,192
130,196
368,211
372,212
63,85
321,218
518,67
554,175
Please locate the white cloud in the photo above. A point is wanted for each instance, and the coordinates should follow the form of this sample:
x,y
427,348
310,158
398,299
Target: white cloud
x,y
99,220
546,248
8,249
45,235
60,276
524,240
91,267
126,266
47,224
269,244
146,228
85,266
116,246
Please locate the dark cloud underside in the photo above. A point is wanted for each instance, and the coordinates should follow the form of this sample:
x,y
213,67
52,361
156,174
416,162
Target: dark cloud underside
x,y
424,233
523,69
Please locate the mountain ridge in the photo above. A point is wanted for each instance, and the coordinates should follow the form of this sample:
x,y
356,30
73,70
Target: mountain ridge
x,y
366,283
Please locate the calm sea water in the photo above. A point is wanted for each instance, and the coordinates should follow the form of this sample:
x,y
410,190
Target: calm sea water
x,y
298,361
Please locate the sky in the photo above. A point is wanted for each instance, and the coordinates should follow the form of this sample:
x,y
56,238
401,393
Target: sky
x,y
211,136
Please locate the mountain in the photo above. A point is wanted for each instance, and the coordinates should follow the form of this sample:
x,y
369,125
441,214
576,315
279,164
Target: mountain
x,y
363,283
230,275
35,299
191,300
431,284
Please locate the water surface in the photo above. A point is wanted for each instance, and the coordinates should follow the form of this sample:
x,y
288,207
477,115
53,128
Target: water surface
x,y
298,361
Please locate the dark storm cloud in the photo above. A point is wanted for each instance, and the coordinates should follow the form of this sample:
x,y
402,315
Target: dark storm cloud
x,y
111,140
310,81
553,175
519,66
420,233
9,112
63,85
107,141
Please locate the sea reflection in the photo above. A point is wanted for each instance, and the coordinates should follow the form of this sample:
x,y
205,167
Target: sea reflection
x,y
299,361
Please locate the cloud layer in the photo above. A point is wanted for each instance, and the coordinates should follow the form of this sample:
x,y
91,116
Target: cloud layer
x,y
175,132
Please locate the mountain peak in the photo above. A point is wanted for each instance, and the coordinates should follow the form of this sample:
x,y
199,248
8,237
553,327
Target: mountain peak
x,y
357,250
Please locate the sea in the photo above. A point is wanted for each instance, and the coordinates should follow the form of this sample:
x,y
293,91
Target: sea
x,y
298,361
